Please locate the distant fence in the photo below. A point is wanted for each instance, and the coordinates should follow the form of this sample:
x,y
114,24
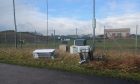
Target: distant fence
x,y
35,40
26,39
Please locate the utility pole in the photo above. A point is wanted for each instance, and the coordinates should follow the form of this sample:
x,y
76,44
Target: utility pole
x,y
47,40
93,27
15,24
94,24
136,43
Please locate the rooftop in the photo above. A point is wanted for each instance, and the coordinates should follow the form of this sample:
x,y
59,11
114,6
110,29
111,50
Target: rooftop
x,y
118,30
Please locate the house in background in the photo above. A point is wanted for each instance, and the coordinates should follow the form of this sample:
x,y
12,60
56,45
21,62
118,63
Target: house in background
x,y
117,33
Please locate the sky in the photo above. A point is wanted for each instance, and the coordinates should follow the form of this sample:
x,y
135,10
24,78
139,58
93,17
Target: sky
x,y
67,15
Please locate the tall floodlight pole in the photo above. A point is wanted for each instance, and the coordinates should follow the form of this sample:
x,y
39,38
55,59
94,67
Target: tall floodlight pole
x,y
94,23
15,24
47,24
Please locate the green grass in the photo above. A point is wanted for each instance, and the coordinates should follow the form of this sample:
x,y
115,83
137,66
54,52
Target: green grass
x,y
125,68
117,43
126,65
109,44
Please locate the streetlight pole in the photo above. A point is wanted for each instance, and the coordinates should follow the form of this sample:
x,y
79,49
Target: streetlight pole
x,y
15,24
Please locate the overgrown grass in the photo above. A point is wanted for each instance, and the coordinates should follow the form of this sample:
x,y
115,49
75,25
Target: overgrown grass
x,y
125,66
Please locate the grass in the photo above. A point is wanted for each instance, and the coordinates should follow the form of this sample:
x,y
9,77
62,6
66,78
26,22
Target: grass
x,y
109,44
125,66
119,62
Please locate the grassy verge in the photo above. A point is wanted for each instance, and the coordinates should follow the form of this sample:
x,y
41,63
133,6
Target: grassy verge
x,y
125,67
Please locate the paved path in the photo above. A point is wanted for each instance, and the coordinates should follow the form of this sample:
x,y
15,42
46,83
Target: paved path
x,y
12,74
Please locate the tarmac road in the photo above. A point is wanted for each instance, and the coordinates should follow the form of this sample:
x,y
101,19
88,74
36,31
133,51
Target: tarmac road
x,y
12,74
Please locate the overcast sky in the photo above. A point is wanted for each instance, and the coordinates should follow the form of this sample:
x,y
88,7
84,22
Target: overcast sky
x,y
67,15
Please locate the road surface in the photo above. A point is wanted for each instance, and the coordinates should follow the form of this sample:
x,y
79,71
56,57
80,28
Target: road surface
x,y
12,74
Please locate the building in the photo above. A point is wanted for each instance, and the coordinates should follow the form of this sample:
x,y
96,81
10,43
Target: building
x,y
117,33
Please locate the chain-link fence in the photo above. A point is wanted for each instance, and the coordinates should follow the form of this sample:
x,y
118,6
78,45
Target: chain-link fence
x,y
119,43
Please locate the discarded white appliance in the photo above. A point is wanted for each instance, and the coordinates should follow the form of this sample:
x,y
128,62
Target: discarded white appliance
x,y
46,53
79,44
77,49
